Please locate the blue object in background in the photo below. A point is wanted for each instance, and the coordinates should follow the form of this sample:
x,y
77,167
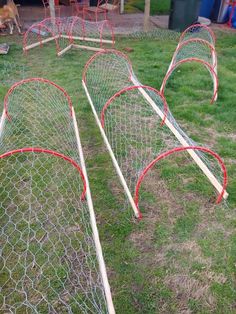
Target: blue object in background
x,y
206,8
220,11
233,21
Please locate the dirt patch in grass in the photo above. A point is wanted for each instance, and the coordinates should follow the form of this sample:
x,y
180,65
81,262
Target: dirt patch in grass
x,y
187,288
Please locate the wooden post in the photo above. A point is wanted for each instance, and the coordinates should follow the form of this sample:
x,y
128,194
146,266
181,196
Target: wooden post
x,y
52,9
122,6
146,22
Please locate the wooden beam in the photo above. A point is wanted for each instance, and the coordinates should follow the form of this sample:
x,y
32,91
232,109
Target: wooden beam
x,y
146,22
52,8
87,47
96,239
40,42
95,40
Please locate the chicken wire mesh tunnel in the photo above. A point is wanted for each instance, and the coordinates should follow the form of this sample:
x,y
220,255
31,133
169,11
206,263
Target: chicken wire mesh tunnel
x,y
136,123
196,46
70,32
51,258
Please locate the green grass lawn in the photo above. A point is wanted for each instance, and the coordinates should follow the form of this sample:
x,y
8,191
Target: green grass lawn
x,y
158,7
182,256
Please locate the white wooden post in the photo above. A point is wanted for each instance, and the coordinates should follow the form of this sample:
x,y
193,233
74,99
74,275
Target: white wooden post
x,y
146,22
122,6
52,9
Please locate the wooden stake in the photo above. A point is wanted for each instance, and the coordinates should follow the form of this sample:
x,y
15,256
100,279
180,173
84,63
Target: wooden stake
x,y
64,50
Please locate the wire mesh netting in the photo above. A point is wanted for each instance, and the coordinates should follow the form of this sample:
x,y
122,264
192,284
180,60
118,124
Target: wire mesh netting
x,y
132,118
48,259
68,32
41,113
196,45
11,72
106,73
198,31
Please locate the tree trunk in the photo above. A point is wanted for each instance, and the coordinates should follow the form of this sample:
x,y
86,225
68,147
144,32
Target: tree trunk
x,y
146,23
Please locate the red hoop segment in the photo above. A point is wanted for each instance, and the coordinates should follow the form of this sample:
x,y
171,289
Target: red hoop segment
x,y
180,149
50,152
31,80
206,64
202,41
106,51
126,89
198,26
109,24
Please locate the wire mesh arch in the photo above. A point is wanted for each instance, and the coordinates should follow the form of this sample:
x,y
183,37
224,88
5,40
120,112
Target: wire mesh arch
x,y
173,151
41,111
52,257
209,68
198,31
41,33
70,32
132,118
196,44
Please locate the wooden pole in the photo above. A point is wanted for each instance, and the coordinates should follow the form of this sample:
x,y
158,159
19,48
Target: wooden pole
x,y
122,6
98,246
52,9
146,22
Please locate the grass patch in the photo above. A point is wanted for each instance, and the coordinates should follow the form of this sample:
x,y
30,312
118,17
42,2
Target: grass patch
x,y
158,7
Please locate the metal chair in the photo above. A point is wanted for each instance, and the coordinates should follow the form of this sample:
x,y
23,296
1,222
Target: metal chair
x,y
101,8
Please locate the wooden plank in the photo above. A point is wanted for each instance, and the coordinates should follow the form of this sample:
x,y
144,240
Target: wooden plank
x,y
183,142
40,42
96,239
2,122
87,47
95,40
64,50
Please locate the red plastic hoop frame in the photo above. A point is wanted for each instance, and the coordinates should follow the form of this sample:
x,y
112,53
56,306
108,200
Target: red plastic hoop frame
x,y
172,151
106,51
50,152
206,64
38,79
126,89
198,26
